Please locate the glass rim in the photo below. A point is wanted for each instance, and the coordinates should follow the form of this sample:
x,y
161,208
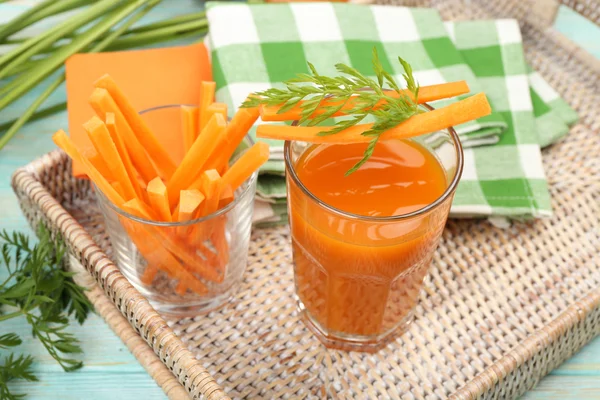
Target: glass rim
x,y
447,192
248,182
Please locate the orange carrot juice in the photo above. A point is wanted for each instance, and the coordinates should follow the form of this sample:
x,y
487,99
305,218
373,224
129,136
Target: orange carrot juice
x,y
361,244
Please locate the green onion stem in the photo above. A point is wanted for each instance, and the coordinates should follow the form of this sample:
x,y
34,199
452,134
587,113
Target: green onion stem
x,y
70,25
23,84
23,67
98,30
30,110
7,57
134,38
143,28
128,41
38,12
61,106
19,21
57,32
14,41
58,7
151,36
148,41
8,87
169,22
113,35
43,113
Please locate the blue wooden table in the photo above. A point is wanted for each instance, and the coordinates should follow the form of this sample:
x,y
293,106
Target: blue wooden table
x,y
110,371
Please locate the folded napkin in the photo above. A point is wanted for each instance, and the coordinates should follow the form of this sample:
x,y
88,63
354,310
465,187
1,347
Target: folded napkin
x,y
553,116
268,213
506,178
270,43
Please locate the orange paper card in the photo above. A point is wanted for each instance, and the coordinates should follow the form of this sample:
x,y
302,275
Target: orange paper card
x,y
149,78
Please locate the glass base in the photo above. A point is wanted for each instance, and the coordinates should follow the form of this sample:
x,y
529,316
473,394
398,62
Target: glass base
x,y
348,342
191,308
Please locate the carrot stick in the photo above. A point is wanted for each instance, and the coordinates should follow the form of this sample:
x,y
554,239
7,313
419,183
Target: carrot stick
x,y
150,247
149,274
236,130
210,181
100,137
139,209
189,125
217,235
118,141
118,187
226,196
457,113
189,202
99,163
191,262
426,94
219,240
207,95
216,108
194,160
195,263
156,254
64,142
157,194
103,103
245,166
181,288
147,138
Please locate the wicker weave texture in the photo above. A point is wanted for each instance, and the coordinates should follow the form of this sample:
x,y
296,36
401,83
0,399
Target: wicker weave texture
x,y
500,308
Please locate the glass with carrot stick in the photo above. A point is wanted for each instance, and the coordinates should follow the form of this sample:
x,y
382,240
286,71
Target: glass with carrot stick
x,y
176,186
181,238
362,243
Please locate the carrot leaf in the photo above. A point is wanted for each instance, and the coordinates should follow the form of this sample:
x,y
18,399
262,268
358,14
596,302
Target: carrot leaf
x,y
368,153
320,98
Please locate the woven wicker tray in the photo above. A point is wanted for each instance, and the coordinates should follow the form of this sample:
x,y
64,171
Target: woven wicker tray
x,y
500,308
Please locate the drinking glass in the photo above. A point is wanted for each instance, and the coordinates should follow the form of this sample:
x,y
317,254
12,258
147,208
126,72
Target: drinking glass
x,y
358,278
182,268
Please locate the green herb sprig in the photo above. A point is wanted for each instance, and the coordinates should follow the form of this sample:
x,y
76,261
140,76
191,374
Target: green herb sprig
x,y
15,368
38,289
366,93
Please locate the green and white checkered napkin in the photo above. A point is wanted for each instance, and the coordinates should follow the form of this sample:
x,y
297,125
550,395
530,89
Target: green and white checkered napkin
x,y
553,116
258,46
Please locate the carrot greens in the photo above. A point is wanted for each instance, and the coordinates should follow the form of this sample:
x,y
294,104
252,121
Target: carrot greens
x,y
37,289
370,97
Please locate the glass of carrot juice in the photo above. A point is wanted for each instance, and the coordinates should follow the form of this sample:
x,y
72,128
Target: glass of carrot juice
x,y
362,243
